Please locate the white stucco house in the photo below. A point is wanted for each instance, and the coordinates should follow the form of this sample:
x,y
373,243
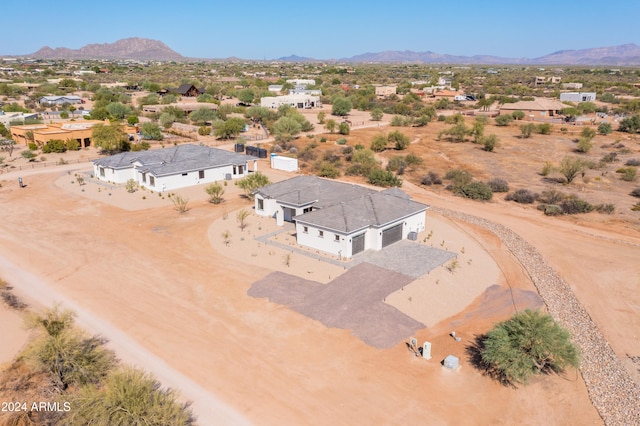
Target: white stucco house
x,y
341,218
176,167
301,101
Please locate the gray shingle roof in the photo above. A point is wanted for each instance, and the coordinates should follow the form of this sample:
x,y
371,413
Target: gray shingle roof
x,y
342,207
174,160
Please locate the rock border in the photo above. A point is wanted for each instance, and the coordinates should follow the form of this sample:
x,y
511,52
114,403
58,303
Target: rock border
x,y
611,389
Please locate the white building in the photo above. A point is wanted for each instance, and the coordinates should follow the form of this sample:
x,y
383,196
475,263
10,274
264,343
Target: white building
x,y
287,164
176,167
301,82
60,100
577,96
341,218
7,118
301,101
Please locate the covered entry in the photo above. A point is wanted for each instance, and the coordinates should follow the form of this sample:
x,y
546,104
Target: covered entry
x,y
357,244
392,235
289,213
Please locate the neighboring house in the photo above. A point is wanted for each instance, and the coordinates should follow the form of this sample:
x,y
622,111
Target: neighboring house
x,y
578,96
187,107
341,218
572,86
60,100
301,101
7,118
176,167
189,90
275,88
43,133
384,91
540,80
449,94
302,82
539,108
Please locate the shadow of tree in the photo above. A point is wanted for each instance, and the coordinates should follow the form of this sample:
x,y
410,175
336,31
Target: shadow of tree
x,y
474,353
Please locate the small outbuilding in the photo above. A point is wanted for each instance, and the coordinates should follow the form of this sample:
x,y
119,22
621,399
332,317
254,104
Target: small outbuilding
x,y
287,164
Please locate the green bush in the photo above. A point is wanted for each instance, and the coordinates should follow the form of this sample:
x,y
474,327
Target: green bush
x,y
341,141
398,139
54,145
73,145
544,129
33,146
328,170
475,190
458,177
431,178
344,128
552,209
503,120
632,162
628,174
574,205
605,129
384,178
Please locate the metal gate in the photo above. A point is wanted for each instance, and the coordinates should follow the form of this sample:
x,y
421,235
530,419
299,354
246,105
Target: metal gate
x,y
391,235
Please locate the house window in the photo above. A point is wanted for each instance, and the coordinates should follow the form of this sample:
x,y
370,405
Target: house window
x,y
321,234
305,229
200,174
336,237
235,170
185,174
102,171
144,178
152,181
307,210
240,169
260,204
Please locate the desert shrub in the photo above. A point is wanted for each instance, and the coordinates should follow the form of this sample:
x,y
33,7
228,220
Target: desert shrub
x,y
398,139
526,130
575,205
609,158
344,128
412,159
379,143
498,185
632,162
307,154
547,168
584,145
636,207
384,178
431,178
503,120
215,192
342,141
347,150
323,139
458,177
54,145
400,121
517,115
628,174
475,190
33,146
522,196
73,145
328,170
28,154
396,164
276,148
635,193
604,128
551,196
552,209
489,143
204,130
544,129
605,208
441,117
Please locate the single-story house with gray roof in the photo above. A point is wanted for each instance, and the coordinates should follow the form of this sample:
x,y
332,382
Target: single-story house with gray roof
x,y
176,167
341,218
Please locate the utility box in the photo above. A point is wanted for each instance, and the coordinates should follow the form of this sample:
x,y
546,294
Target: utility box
x,y
284,163
412,236
451,362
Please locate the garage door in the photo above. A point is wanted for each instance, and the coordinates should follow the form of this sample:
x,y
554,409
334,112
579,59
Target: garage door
x,y
391,235
357,244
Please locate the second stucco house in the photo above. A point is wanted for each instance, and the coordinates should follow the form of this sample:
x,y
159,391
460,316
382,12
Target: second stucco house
x,y
176,167
341,218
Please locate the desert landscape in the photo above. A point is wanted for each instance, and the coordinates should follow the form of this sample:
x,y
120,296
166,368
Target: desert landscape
x,y
173,298
251,327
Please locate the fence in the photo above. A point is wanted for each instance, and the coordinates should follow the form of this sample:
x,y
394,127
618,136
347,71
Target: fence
x,y
35,164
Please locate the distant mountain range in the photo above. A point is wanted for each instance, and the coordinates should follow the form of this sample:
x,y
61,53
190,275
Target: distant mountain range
x,y
145,49
142,49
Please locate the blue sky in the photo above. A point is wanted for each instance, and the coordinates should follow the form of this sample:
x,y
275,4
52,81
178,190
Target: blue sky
x,y
325,29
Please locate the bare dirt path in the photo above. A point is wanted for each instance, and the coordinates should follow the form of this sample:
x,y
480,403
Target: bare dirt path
x,y
37,291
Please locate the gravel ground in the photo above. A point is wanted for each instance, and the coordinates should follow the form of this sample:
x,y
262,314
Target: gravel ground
x,y
353,301
612,391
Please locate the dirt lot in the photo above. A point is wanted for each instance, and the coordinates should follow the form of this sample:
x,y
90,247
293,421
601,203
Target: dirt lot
x,y
164,280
